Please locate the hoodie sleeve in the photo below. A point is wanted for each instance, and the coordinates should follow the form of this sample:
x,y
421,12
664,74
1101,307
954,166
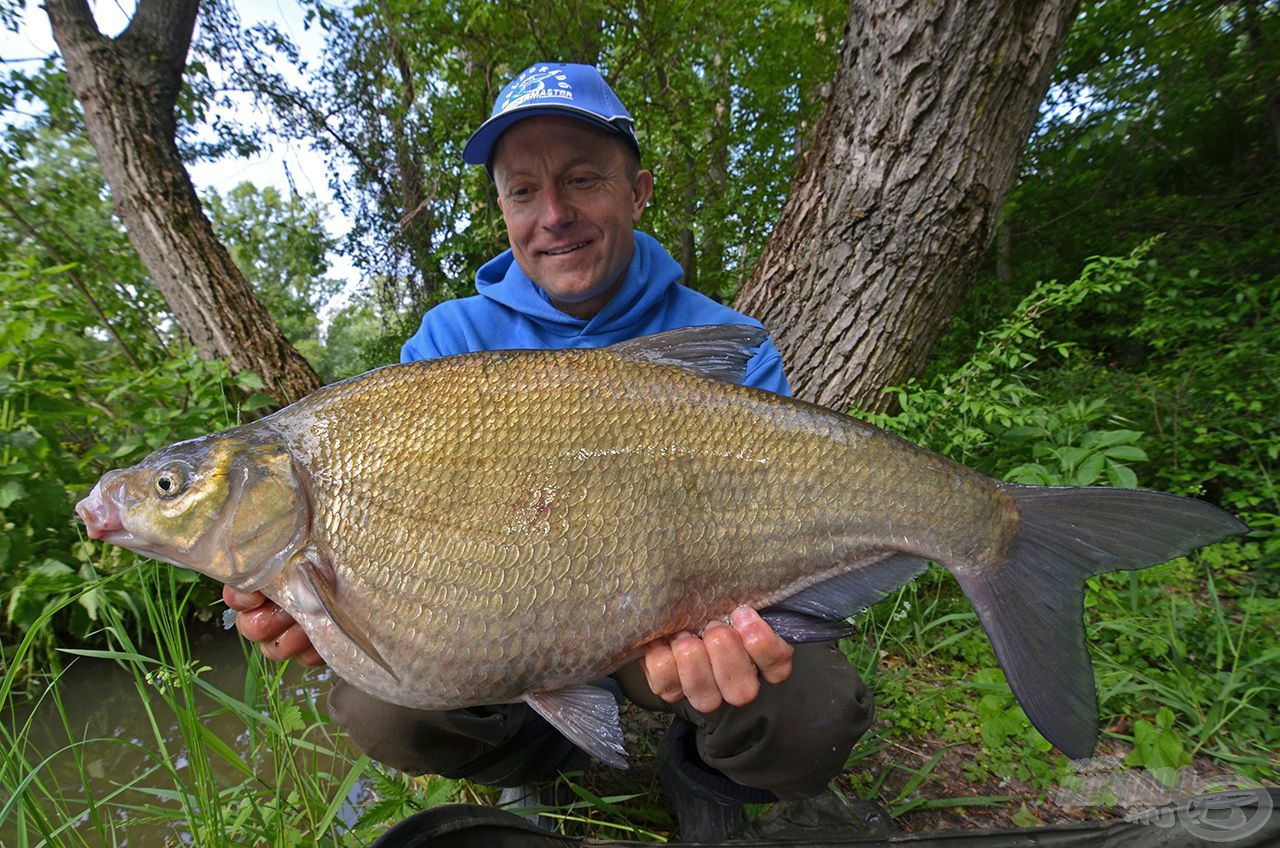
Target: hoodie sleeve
x,y
420,345
444,331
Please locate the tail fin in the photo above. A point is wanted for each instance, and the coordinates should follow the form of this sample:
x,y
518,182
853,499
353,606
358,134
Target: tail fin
x,y
1032,607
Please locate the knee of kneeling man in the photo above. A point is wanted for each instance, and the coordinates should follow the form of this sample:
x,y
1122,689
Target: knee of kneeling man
x,y
793,752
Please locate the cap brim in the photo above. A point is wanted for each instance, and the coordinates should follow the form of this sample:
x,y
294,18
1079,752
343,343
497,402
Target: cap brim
x,y
479,148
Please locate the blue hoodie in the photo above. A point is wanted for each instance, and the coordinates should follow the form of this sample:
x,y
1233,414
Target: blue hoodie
x,y
511,312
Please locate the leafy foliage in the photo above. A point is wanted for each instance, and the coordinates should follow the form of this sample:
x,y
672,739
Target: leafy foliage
x,y
281,246
989,411
723,96
93,372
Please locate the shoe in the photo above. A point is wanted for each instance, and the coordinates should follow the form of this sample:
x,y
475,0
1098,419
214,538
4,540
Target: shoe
x,y
822,818
709,806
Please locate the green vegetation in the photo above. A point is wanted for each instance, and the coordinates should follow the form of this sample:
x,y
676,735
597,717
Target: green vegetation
x,y
1127,333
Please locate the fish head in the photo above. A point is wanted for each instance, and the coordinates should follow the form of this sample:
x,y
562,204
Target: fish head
x,y
231,505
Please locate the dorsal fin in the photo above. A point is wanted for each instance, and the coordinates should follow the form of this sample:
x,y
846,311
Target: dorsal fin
x,y
718,351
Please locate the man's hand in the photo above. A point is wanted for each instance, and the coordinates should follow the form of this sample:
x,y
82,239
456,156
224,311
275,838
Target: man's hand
x,y
260,620
725,665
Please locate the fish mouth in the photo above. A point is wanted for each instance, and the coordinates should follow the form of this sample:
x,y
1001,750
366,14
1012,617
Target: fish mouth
x,y
100,510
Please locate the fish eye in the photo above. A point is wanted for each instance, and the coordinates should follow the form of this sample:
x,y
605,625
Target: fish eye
x,y
170,481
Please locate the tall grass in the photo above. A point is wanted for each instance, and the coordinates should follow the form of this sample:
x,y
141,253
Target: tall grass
x,y
287,780
1175,640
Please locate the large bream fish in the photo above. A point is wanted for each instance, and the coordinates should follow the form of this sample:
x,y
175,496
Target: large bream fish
x,y
511,525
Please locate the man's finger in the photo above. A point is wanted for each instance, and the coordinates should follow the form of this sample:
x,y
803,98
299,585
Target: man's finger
x,y
769,651
696,677
659,665
310,656
241,601
734,671
264,623
293,642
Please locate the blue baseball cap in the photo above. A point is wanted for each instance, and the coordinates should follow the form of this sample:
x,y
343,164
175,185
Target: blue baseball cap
x,y
552,88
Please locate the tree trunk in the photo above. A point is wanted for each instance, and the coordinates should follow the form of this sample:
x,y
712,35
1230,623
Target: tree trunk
x,y
128,87
898,196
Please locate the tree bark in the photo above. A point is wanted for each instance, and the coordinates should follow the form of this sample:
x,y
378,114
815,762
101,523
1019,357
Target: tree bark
x,y
128,87
897,198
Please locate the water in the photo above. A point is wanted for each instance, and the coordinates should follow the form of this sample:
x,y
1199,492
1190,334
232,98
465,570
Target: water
x,y
103,708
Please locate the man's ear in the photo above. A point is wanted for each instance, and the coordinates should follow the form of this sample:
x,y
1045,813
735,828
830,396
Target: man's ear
x,y
641,194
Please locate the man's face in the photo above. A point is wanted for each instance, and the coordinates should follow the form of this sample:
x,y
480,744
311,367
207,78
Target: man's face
x,y
570,205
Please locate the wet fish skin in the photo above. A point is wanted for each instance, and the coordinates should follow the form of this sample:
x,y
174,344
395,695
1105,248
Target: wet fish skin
x,y
509,525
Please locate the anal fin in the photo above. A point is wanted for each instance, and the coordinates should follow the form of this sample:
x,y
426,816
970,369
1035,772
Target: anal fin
x,y
815,614
322,584
797,628
587,716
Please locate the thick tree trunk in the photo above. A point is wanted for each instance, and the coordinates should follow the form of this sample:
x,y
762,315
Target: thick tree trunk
x,y
128,87
898,196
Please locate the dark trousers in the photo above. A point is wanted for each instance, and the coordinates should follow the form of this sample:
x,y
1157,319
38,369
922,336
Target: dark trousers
x,y
792,740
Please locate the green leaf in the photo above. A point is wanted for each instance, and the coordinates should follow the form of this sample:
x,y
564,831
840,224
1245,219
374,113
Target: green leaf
x,y
1130,453
1025,818
1070,457
1121,476
1118,437
128,446
1090,470
91,600
258,400
249,380
10,491
1158,747
290,717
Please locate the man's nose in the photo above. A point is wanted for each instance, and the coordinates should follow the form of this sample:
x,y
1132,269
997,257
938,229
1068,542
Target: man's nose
x,y
555,211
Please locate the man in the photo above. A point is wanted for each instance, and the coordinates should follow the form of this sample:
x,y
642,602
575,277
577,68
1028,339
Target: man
x,y
755,720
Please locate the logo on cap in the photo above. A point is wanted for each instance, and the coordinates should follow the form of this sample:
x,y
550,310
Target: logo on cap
x,y
540,82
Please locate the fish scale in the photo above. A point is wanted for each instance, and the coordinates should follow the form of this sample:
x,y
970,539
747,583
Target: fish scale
x,y
513,525
485,486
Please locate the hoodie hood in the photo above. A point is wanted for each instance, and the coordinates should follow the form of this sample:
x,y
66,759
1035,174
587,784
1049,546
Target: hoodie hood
x,y
651,273
512,312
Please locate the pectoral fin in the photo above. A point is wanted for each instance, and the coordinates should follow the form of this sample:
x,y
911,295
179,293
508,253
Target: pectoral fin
x,y
321,582
588,717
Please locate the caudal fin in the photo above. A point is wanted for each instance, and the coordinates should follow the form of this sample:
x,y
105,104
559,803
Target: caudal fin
x,y
1032,607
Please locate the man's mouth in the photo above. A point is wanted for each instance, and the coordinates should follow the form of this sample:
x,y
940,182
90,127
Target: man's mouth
x,y
561,251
